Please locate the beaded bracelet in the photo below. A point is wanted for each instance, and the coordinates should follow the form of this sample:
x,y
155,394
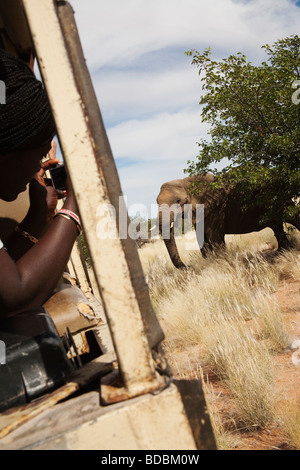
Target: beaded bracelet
x,y
71,216
26,235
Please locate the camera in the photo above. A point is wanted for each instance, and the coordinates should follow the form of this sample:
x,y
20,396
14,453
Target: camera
x,y
58,176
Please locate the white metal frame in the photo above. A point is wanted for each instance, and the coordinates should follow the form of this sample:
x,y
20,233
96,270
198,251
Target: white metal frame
x,y
109,262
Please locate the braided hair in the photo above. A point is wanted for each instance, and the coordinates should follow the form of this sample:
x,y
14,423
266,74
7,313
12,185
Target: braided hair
x,y
26,120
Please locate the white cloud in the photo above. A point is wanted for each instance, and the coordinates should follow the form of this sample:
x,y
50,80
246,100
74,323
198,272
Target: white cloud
x,y
118,32
143,182
147,89
154,151
165,136
136,94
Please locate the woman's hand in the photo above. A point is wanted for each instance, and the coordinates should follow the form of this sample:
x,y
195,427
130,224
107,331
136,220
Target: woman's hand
x,y
43,201
43,196
70,202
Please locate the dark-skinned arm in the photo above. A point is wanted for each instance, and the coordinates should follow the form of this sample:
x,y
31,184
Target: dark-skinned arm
x,y
30,281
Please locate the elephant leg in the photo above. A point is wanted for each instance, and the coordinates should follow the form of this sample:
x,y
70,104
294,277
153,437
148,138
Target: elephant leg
x,y
212,239
204,243
214,232
206,248
282,239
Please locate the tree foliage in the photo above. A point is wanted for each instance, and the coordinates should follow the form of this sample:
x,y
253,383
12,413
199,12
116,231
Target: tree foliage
x,y
254,116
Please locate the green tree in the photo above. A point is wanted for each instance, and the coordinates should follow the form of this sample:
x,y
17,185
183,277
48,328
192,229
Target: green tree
x,y
254,112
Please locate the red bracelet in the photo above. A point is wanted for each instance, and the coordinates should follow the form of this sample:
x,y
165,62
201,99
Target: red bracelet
x,y
71,216
70,213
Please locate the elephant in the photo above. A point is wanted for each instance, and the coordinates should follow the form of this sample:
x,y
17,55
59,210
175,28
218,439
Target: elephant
x,y
223,213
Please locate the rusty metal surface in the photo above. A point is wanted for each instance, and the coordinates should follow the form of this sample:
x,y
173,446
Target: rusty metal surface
x,y
112,389
81,343
107,168
87,156
69,307
148,422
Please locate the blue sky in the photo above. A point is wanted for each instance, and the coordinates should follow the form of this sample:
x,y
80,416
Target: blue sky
x,y
147,89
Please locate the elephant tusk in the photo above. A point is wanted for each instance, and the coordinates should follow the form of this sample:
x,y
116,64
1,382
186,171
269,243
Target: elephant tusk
x,y
172,225
152,228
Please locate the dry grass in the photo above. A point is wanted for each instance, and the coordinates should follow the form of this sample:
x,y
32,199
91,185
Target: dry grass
x,y
224,440
225,304
288,265
290,415
247,368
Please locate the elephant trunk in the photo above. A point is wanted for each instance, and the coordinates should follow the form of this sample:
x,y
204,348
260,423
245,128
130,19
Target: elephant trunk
x,y
166,229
